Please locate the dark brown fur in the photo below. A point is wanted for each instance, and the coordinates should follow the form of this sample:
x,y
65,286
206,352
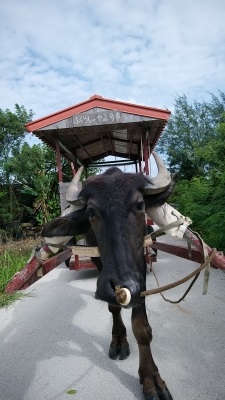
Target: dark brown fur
x,y
114,219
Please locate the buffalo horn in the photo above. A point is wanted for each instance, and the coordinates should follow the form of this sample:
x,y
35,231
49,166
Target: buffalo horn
x,y
72,195
160,182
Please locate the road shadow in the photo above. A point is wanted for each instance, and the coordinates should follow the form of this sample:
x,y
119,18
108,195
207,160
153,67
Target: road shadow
x,y
44,327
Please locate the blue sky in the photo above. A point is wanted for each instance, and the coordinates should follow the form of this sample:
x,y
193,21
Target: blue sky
x,y
56,53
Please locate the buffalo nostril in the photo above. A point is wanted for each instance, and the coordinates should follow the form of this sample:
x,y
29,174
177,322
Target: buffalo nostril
x,y
112,285
123,295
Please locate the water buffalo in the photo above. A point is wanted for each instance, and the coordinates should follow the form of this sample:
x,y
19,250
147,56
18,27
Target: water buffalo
x,y
110,210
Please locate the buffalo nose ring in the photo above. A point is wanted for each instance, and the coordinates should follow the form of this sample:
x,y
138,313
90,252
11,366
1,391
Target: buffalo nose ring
x,y
123,295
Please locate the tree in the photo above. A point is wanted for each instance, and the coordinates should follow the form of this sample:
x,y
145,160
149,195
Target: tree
x,y
34,178
33,168
12,135
191,127
202,197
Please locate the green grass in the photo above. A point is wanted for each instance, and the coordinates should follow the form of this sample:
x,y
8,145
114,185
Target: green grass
x,y
7,299
13,257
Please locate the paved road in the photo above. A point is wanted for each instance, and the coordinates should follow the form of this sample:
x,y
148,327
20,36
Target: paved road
x,y
57,339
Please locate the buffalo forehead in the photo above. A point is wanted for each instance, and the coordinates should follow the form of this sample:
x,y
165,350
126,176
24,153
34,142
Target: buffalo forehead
x,y
114,188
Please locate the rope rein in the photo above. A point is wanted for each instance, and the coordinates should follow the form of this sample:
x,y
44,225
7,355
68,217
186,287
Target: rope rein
x,y
194,274
123,297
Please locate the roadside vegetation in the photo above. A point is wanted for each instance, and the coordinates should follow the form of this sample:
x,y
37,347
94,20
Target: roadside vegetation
x,y
13,257
193,147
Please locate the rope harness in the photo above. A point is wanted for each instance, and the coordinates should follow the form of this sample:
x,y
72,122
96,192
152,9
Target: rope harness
x,y
205,265
194,274
123,294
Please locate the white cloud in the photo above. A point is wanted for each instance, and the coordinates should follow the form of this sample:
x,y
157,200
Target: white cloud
x,y
60,52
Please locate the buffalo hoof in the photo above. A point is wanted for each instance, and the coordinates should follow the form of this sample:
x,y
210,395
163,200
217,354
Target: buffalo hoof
x,y
165,395
119,352
113,352
151,397
124,352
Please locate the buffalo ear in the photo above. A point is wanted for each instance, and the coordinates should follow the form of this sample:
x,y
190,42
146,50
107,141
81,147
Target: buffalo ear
x,y
75,223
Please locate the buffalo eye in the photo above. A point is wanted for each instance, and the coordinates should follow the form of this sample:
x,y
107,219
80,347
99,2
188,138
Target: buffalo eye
x,y
91,212
140,205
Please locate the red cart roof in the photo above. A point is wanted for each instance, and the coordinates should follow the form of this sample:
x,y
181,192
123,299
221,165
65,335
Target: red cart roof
x,y
99,127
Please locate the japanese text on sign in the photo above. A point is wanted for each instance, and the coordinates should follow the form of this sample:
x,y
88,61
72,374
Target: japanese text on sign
x,y
97,118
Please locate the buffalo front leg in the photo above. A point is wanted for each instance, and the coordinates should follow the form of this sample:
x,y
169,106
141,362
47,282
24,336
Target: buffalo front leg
x,y
154,387
119,347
